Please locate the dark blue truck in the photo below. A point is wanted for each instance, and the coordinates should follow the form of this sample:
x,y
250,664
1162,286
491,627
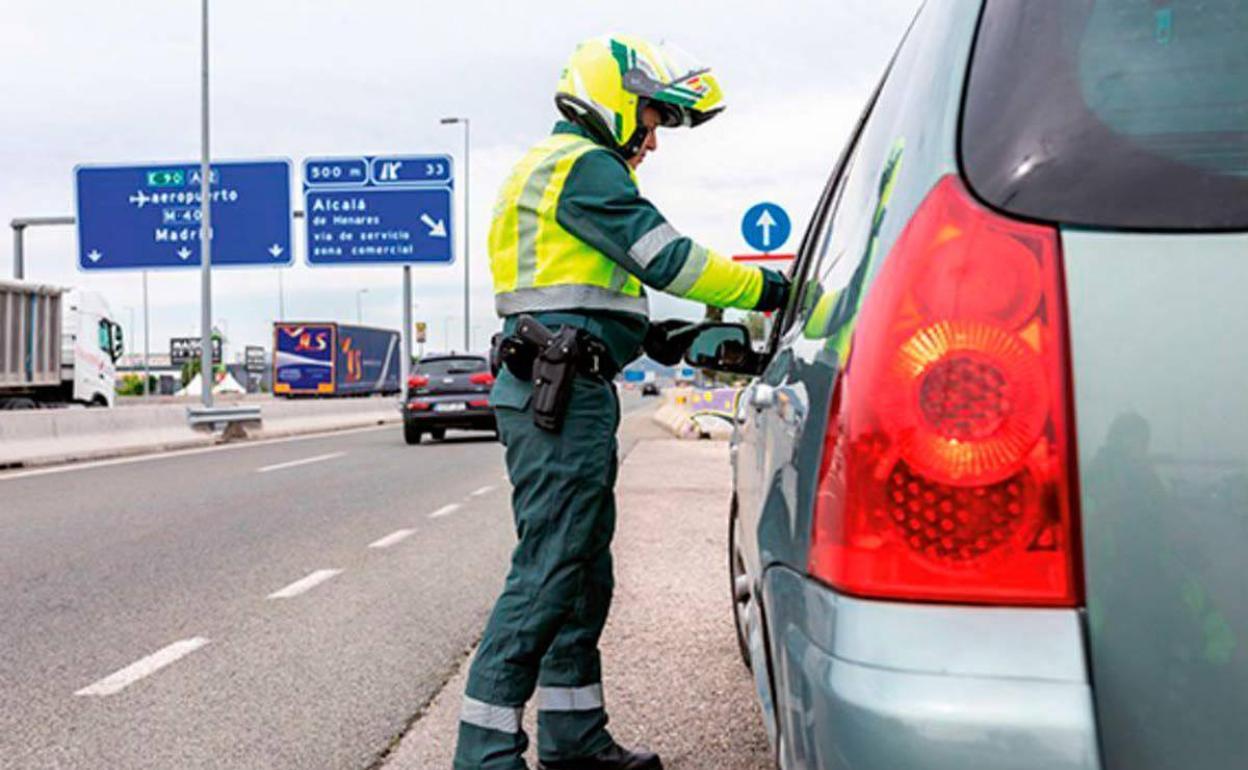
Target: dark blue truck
x,y
333,359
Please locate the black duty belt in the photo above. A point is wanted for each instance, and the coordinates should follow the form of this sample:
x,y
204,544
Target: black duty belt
x,y
551,359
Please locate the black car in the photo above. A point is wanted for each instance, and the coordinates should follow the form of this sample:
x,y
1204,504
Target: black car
x,y
448,392
649,389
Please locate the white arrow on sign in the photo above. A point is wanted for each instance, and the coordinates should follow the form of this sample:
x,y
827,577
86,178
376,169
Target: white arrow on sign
x,y
184,253
94,255
436,229
766,223
275,250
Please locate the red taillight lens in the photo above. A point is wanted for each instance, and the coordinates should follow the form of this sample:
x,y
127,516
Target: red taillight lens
x,y
946,472
417,381
479,403
418,406
482,378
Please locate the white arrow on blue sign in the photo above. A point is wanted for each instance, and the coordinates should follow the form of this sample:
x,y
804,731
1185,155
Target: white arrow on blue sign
x,y
765,227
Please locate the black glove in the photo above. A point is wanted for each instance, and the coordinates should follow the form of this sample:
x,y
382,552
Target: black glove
x,y
667,341
775,291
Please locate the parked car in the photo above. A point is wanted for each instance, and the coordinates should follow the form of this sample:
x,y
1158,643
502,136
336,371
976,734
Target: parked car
x,y
1005,526
650,389
450,391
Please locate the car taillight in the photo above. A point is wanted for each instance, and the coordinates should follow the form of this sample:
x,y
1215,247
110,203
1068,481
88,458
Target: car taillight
x,y
418,406
482,378
947,472
479,403
417,381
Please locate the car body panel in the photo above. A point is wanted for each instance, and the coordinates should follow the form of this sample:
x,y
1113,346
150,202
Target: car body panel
x,y
906,145
1157,326
889,685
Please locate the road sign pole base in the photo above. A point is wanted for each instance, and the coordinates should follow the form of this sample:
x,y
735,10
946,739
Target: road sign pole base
x,y
231,421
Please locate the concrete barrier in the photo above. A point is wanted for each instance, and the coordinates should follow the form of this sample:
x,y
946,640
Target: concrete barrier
x,y
48,436
692,413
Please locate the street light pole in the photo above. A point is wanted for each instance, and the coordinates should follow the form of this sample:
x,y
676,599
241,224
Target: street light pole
x,y
467,229
147,331
205,230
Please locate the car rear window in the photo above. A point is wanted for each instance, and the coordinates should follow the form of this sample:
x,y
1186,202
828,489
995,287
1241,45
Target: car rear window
x,y
440,367
1111,113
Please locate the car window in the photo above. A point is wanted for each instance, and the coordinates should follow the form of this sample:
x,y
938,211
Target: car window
x,y
104,336
815,239
867,216
442,367
1115,113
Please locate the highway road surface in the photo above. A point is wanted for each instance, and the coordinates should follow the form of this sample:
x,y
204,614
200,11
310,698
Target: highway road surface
x,y
286,604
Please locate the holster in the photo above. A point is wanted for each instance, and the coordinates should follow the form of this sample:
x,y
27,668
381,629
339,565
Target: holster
x,y
547,359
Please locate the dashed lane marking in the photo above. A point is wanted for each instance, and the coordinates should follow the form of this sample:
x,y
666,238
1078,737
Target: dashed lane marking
x,y
116,682
306,584
445,510
295,463
392,538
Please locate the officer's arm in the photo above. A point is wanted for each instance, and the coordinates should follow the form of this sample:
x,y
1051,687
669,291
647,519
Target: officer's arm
x,y
600,204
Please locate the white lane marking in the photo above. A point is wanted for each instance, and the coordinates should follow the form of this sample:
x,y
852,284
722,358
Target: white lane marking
x,y
116,682
306,584
445,510
483,491
392,538
83,466
295,463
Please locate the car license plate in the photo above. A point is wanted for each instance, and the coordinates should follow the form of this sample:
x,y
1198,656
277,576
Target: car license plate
x,y
454,406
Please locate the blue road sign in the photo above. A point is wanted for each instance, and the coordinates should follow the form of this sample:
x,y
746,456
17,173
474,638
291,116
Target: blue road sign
x,y
766,227
379,210
148,218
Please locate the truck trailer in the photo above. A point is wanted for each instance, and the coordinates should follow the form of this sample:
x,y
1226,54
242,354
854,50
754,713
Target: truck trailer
x,y
333,359
57,347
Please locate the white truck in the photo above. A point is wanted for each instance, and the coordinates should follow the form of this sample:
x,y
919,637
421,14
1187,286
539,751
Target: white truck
x,y
57,347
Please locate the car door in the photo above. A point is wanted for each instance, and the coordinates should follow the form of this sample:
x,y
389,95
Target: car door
x,y
771,415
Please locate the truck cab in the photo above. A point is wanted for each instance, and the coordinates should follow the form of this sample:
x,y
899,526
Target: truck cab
x,y
91,344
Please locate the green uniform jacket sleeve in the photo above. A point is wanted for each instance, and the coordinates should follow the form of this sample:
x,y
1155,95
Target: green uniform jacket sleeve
x,y
601,205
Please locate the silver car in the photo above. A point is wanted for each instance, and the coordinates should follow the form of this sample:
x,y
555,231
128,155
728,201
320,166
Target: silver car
x,y
991,482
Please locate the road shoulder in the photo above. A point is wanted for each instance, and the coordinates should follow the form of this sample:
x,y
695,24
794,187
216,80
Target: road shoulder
x,y
673,678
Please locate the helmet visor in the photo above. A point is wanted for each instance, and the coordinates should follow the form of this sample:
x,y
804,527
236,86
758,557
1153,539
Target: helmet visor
x,y
682,88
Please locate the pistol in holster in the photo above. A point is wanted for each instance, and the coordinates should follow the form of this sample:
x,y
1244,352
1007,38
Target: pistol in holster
x,y
548,359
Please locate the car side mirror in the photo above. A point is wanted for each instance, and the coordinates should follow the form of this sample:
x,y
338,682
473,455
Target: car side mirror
x,y
723,347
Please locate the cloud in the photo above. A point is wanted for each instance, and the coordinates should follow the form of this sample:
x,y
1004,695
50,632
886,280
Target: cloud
x,y
94,81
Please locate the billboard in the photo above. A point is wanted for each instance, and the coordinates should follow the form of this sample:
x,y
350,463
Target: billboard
x,y
183,350
304,358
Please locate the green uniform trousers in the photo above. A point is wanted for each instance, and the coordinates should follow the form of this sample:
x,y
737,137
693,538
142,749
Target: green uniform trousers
x,y
544,629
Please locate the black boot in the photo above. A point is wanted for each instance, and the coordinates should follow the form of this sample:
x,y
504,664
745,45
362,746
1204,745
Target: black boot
x,y
614,757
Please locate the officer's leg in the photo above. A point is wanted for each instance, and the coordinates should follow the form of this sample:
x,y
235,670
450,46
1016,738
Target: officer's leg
x,y
559,482
571,717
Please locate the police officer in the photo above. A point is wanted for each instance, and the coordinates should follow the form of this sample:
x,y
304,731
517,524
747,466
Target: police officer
x,y
571,244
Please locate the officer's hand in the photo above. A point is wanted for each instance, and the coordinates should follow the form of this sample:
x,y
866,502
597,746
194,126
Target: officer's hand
x,y
775,291
667,341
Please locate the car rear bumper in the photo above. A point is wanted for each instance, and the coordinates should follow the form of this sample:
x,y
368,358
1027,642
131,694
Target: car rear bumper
x,y
471,418
862,684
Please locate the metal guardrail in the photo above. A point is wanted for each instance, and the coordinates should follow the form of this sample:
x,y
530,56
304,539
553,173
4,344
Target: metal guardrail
x,y
220,417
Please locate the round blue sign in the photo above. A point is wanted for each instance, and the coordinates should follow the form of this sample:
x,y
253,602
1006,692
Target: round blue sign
x,y
766,227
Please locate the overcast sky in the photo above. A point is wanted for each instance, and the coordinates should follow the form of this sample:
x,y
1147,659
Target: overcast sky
x,y
107,81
